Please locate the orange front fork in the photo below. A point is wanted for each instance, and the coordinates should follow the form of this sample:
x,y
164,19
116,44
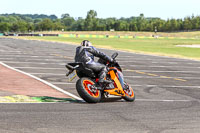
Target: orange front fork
x,y
117,91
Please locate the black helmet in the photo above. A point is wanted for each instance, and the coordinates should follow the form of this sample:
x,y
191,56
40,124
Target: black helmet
x,y
86,43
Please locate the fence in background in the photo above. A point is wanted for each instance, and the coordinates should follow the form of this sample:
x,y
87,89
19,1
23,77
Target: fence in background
x,y
94,36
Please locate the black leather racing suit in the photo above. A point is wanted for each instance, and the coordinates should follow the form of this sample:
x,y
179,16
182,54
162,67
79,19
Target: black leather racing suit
x,y
86,55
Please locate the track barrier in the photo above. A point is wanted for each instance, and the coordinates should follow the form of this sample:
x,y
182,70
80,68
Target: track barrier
x,y
96,36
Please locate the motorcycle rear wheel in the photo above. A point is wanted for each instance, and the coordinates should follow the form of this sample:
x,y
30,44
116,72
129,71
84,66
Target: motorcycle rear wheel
x,y
85,90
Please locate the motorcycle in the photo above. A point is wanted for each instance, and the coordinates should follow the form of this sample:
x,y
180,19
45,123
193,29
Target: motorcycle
x,y
89,88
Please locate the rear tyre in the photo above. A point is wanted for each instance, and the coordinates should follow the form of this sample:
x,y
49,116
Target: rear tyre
x,y
87,90
129,93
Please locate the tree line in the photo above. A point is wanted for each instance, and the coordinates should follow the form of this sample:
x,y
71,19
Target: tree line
x,y
29,23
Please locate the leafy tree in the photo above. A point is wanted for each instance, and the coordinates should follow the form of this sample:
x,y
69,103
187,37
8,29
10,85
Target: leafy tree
x,y
173,25
109,23
91,21
3,19
133,25
4,27
67,21
28,19
187,25
37,20
53,17
20,26
159,24
195,22
45,25
58,25
141,22
66,15
78,25
167,25
30,27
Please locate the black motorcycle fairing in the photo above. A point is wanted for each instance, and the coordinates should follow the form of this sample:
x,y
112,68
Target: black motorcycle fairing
x,y
117,66
86,73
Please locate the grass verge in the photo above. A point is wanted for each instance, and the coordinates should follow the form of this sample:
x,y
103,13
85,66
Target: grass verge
x,y
163,47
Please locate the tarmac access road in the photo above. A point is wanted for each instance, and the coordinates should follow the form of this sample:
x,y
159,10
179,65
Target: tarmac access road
x,y
167,94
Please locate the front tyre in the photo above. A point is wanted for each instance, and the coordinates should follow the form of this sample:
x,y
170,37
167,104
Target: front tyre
x,y
129,93
87,90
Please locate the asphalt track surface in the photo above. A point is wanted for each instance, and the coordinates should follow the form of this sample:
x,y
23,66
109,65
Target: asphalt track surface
x,y
167,94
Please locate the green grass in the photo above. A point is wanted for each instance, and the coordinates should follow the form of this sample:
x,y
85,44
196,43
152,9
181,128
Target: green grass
x,y
165,47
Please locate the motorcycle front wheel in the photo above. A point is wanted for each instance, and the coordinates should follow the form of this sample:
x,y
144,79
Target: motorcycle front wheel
x,y
129,93
87,90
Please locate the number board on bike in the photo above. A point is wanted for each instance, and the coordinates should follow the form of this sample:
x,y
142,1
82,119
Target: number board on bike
x,y
72,75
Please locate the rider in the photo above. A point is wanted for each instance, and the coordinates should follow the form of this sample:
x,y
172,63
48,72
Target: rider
x,y
86,52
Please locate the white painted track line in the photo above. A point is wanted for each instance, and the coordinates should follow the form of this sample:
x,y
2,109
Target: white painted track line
x,y
40,68
160,100
166,86
43,81
18,62
62,83
55,74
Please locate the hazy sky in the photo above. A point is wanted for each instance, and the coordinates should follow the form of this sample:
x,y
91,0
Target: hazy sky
x,y
105,8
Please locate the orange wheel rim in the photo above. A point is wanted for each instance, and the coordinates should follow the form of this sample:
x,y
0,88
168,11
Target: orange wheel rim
x,y
87,84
